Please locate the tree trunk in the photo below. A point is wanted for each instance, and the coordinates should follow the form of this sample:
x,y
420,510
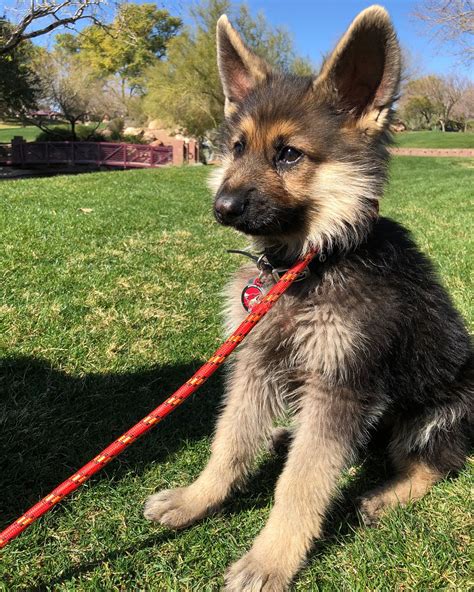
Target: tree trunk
x,y
122,84
443,125
73,129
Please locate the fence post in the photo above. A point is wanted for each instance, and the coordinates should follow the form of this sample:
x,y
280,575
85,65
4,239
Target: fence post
x,y
178,152
192,152
18,155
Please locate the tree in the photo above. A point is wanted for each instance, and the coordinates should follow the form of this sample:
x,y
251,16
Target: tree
x,y
38,17
185,89
137,37
450,22
418,112
444,92
275,45
19,91
71,89
440,93
463,111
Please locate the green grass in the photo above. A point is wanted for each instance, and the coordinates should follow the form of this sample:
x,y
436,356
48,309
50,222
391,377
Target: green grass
x,y
434,139
9,123
102,315
29,132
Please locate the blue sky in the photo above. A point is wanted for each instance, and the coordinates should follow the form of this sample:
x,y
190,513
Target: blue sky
x,y
316,26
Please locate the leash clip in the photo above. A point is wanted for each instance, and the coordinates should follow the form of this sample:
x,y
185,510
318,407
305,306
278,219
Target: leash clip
x,y
277,272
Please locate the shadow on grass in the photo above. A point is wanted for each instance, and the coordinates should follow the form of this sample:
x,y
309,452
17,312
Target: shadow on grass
x,y
154,540
52,423
341,521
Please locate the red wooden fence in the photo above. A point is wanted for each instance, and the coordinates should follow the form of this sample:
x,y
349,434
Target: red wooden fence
x,y
20,153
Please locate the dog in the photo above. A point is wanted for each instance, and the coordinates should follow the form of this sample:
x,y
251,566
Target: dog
x,y
369,338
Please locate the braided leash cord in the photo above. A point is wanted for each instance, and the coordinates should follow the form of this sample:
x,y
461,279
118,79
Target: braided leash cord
x,y
148,422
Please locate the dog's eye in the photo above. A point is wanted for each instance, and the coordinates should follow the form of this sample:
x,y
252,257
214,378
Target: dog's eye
x,y
288,155
238,148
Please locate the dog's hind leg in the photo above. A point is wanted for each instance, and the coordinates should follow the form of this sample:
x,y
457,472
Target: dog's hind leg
x,y
329,425
242,429
413,480
424,449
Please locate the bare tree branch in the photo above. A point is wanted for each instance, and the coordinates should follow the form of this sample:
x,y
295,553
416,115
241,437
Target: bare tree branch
x,y
449,22
63,13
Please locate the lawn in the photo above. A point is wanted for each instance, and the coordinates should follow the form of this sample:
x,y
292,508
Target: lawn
x,y
103,313
434,139
29,132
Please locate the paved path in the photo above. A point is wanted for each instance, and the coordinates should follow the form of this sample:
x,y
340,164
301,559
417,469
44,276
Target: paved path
x,y
466,152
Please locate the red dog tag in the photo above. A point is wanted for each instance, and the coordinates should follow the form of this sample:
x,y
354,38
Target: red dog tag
x,y
252,294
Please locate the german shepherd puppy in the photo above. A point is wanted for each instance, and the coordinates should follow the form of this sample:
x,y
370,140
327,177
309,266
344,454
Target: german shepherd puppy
x,y
369,338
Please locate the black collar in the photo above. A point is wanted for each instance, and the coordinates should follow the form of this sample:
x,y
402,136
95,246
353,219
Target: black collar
x,y
270,263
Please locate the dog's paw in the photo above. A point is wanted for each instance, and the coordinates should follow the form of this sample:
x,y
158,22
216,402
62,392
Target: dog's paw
x,y
250,574
371,508
174,508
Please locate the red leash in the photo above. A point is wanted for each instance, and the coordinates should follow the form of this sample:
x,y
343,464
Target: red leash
x,y
148,422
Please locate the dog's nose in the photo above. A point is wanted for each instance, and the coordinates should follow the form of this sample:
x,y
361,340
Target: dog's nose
x,y
228,207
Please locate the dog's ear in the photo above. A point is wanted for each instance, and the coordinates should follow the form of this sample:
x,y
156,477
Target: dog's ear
x,y
240,69
362,75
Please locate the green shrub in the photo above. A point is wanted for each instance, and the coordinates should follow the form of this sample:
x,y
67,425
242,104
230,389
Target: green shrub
x,y
115,128
129,139
84,133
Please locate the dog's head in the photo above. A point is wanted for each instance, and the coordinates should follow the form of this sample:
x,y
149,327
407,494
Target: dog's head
x,y
304,158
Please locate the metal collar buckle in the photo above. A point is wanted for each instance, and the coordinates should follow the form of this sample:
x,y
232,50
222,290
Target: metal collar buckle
x,y
277,272
265,267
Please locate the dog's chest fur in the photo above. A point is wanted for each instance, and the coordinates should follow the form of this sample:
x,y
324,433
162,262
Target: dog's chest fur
x,y
313,329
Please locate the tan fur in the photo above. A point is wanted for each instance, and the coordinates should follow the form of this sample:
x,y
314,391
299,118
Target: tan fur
x,y
412,482
305,486
257,69
301,497
353,203
300,355
350,193
319,340
242,429
373,13
260,136
217,175
376,116
304,348
373,122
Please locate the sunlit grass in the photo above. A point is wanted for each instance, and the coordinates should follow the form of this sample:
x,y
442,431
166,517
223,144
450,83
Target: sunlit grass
x,y
102,314
434,139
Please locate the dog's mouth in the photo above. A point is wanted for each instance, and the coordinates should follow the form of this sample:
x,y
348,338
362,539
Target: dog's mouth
x,y
259,215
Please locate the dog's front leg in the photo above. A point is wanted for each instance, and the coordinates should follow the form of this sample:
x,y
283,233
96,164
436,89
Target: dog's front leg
x,y
327,431
245,423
